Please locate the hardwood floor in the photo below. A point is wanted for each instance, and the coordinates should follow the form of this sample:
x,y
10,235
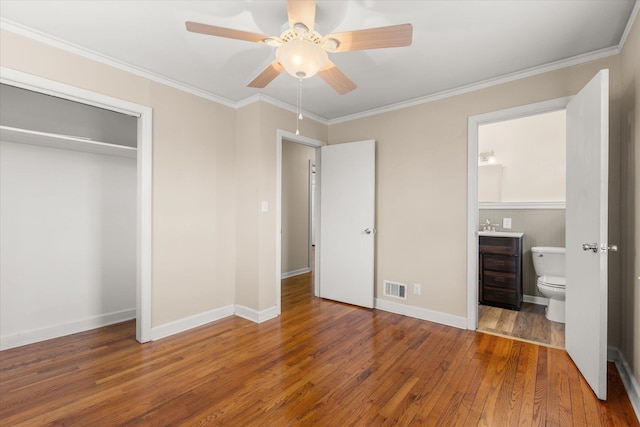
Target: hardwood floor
x,y
320,364
528,324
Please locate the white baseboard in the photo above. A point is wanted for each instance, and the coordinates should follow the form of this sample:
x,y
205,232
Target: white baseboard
x,y
255,315
630,382
295,272
157,332
62,329
190,322
421,313
534,299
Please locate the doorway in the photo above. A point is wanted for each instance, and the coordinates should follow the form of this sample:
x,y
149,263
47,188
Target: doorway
x,y
298,174
587,241
282,138
506,210
344,205
143,175
522,190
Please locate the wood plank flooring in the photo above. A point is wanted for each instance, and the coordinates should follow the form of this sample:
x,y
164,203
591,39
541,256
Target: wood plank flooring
x,y
528,324
319,364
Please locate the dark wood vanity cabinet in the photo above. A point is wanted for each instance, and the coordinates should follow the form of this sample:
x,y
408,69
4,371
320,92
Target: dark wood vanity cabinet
x,y
500,275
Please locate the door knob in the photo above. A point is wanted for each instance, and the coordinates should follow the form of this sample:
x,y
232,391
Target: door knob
x,y
590,247
367,230
610,248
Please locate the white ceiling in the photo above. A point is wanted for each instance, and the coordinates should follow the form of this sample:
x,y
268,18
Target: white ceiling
x,y
455,43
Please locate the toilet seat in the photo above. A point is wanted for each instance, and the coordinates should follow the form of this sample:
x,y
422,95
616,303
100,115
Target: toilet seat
x,y
552,282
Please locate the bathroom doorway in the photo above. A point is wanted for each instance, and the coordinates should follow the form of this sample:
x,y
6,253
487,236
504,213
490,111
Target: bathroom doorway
x,y
586,265
521,169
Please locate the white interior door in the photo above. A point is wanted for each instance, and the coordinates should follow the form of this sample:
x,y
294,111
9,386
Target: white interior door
x,y
586,222
347,218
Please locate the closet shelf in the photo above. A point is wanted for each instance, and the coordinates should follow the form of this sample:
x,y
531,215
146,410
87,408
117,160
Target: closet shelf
x,y
52,140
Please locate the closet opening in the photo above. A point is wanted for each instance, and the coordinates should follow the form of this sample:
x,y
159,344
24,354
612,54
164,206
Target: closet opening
x,y
74,211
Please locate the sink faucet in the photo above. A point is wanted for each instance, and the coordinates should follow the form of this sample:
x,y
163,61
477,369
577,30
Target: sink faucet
x,y
487,226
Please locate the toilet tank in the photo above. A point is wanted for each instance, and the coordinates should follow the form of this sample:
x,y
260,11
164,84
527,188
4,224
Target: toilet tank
x,y
548,261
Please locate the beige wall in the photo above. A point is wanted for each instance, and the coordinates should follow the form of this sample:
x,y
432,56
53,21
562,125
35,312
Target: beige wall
x,y
273,118
257,126
421,182
247,207
211,245
214,165
630,221
295,206
193,161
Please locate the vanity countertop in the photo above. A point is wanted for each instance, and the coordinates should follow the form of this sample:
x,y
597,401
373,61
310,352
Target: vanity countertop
x,y
500,233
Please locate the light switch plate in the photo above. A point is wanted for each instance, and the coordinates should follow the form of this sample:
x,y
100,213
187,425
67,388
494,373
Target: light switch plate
x,y
506,222
265,206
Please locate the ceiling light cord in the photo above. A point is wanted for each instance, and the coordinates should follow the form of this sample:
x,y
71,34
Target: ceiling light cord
x,y
299,107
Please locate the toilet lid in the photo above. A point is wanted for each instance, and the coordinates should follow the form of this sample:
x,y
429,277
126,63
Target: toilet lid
x,y
552,281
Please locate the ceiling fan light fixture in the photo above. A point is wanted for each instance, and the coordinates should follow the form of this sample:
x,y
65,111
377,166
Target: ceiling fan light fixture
x,y
301,58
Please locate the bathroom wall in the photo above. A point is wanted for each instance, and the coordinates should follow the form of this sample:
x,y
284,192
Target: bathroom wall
x,y
524,147
541,227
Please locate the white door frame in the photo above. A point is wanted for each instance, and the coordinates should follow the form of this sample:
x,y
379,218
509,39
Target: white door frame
x,y
282,135
472,188
312,204
143,172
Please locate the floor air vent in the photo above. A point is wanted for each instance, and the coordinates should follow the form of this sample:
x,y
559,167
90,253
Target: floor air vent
x,y
395,289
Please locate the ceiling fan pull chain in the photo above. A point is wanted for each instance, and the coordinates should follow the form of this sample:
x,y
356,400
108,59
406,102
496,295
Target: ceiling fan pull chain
x,y
300,99
299,107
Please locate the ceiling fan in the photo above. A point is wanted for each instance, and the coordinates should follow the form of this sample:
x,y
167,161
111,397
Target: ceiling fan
x,y
302,52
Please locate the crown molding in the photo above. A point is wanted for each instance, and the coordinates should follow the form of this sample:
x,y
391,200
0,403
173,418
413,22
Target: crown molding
x,y
552,66
8,25
30,33
627,29
576,60
283,105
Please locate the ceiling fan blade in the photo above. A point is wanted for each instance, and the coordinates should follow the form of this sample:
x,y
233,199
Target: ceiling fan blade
x,y
267,75
212,30
336,78
374,38
302,11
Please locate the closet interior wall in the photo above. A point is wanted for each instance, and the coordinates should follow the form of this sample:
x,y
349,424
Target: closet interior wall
x,y
67,217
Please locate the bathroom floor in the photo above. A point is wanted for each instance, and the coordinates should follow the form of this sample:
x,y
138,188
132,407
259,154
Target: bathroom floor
x,y
528,324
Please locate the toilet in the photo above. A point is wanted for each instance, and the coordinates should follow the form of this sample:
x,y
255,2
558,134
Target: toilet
x,y
549,265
